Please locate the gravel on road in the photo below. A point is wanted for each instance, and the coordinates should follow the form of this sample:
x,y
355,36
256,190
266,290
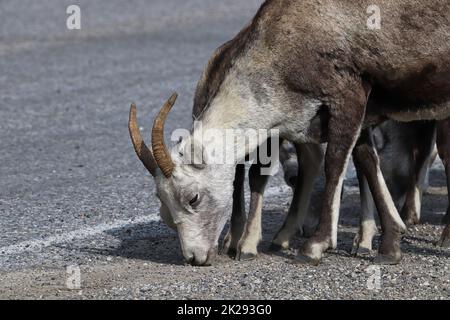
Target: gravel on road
x,y
73,194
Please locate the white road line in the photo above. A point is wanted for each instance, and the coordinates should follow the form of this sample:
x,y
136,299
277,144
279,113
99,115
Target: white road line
x,y
80,234
36,245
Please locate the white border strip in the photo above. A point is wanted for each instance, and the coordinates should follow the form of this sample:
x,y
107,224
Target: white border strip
x,y
36,245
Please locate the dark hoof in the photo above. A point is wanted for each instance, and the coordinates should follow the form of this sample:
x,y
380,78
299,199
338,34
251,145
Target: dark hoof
x,y
446,219
361,251
275,247
304,259
244,256
231,252
387,259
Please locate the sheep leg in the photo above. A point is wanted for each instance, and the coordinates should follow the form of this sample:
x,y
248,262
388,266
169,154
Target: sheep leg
x,y
366,158
310,157
238,216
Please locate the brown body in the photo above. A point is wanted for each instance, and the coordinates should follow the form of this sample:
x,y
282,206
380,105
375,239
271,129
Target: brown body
x,y
319,49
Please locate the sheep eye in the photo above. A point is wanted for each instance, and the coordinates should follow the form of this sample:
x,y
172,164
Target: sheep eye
x,y
193,200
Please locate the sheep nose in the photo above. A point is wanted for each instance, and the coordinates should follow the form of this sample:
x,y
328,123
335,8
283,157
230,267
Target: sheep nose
x,y
191,260
201,260
195,261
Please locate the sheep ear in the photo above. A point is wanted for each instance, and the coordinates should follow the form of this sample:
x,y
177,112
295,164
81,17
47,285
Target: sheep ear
x,y
199,158
192,154
166,217
198,154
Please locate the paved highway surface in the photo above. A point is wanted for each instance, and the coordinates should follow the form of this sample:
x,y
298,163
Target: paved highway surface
x,y
72,191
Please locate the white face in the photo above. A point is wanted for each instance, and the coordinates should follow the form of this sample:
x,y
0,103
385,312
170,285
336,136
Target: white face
x,y
197,201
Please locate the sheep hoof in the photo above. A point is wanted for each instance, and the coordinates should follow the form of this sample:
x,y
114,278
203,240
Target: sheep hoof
x,y
304,259
247,256
274,247
361,251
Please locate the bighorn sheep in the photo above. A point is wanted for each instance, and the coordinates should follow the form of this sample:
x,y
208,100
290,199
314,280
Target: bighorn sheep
x,y
307,69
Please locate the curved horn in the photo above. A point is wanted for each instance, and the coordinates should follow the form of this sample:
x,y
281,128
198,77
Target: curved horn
x,y
162,155
142,151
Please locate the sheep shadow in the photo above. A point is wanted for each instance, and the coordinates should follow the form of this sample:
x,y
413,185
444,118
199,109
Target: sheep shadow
x,y
152,241
155,242
410,244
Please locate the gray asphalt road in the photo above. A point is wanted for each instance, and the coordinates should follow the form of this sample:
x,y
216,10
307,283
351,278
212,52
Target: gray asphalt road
x,y
72,191
66,160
